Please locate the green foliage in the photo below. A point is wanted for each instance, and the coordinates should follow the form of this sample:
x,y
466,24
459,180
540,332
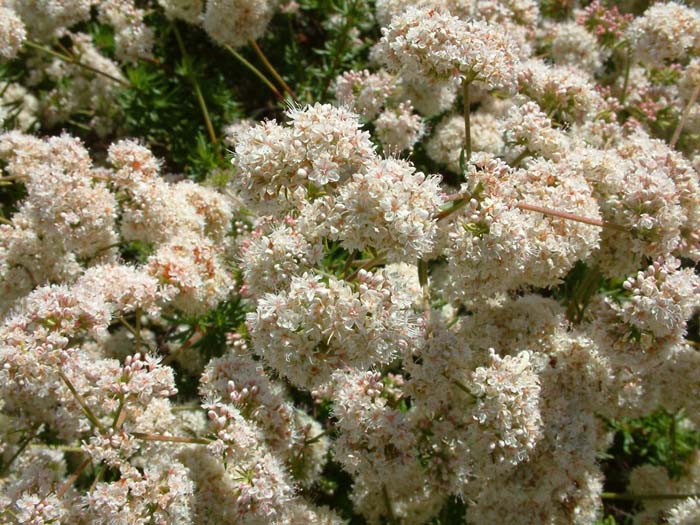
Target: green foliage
x,y
161,105
661,439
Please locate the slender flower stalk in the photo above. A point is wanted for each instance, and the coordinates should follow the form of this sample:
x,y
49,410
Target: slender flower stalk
x,y
570,216
86,409
622,496
467,123
171,439
272,69
256,72
198,93
379,259
684,116
75,61
628,65
73,477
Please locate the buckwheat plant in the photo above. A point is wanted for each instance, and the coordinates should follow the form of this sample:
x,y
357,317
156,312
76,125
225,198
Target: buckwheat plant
x,y
392,262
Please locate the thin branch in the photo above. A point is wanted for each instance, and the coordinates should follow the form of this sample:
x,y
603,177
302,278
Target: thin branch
x,y
467,126
194,338
463,388
340,49
13,178
316,438
522,156
74,60
86,409
198,92
389,507
62,448
458,204
628,66
570,216
627,496
255,71
98,477
120,416
137,343
369,264
349,261
171,439
272,69
71,479
684,116
21,448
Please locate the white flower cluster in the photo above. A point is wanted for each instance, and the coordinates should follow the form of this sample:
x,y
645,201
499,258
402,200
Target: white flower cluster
x,y
388,207
235,23
507,416
662,298
439,337
432,45
12,33
316,327
322,146
667,31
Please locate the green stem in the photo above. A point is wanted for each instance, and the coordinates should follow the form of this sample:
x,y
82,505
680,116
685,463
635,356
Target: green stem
x,y
316,438
339,49
71,479
20,449
673,437
389,507
467,124
137,343
171,439
198,93
98,478
86,409
684,116
73,60
62,448
628,66
641,497
349,261
255,71
523,155
369,264
582,294
272,69
458,204
463,388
